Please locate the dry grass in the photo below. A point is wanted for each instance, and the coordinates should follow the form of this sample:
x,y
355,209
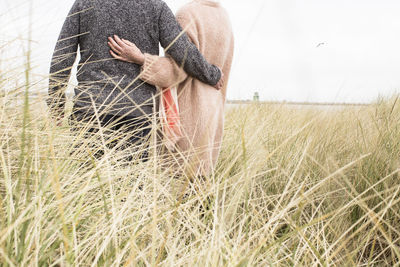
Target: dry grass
x,y
293,187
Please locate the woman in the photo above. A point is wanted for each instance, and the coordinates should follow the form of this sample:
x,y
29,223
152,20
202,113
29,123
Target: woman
x,y
201,106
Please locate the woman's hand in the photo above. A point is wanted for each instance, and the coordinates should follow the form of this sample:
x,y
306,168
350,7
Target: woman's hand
x,y
124,50
221,82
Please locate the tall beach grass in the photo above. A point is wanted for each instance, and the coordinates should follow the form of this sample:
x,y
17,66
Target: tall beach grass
x,y
293,187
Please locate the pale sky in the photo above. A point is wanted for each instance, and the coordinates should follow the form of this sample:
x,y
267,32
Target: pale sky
x,y
277,52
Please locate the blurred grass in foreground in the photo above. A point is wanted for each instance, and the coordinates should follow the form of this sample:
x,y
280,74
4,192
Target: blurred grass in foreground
x,y
293,187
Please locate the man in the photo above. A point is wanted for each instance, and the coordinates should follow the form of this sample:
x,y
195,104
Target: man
x,y
108,89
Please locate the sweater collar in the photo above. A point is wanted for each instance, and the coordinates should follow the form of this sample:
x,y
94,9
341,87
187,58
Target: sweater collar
x,y
209,3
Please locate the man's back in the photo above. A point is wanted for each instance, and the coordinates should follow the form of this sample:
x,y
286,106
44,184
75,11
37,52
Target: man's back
x,y
128,19
112,85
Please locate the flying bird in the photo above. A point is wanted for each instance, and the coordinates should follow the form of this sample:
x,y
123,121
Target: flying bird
x,y
320,44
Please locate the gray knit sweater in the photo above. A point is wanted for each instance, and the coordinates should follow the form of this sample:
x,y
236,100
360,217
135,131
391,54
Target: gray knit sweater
x,y
108,85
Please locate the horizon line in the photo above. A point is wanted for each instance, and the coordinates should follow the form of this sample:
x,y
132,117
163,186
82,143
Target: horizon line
x,y
230,101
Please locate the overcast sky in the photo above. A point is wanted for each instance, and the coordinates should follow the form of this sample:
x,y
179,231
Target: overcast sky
x,y
294,50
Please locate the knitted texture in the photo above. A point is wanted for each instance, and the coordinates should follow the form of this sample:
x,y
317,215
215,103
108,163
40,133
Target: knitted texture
x,y
111,86
201,106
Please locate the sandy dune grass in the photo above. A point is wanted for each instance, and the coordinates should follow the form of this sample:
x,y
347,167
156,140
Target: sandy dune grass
x,y
293,187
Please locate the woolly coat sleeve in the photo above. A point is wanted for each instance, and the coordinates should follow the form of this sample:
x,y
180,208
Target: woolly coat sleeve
x,y
184,52
164,72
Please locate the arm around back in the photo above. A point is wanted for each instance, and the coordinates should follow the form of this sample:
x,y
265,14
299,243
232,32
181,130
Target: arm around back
x,y
163,72
178,46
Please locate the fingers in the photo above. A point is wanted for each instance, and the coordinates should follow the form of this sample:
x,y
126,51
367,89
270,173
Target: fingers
x,y
114,46
220,85
119,41
117,56
221,82
128,43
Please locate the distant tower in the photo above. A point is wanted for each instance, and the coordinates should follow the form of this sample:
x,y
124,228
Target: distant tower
x,y
256,97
